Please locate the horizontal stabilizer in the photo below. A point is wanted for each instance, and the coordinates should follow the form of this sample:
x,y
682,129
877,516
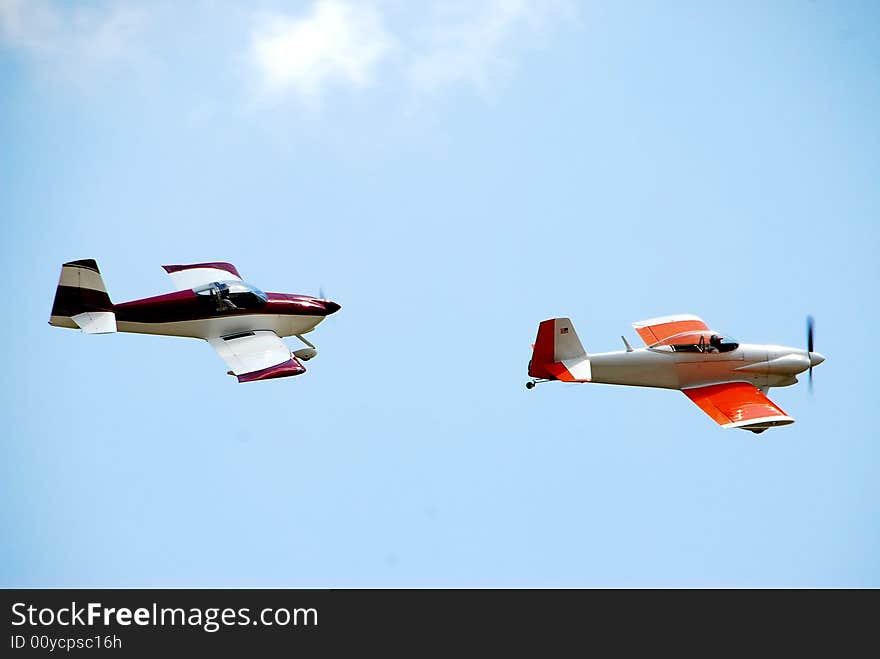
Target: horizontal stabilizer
x,y
96,322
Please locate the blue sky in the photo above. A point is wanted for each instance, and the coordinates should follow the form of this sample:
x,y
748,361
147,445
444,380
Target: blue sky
x,y
451,173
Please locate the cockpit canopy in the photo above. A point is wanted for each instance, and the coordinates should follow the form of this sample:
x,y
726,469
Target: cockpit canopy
x,y
698,341
232,295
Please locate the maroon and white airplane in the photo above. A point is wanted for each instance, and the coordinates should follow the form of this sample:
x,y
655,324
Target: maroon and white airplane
x,y
241,322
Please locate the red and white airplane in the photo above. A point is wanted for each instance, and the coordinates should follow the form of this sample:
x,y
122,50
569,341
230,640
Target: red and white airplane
x,y
726,379
241,322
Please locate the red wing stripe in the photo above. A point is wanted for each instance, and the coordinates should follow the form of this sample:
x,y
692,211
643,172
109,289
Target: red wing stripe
x,y
736,404
656,330
656,333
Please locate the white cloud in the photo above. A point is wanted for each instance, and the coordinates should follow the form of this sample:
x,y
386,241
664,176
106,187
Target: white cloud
x,y
337,43
439,44
477,43
413,49
69,39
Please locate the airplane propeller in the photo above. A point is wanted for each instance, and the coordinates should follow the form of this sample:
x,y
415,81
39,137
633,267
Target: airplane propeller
x,y
810,325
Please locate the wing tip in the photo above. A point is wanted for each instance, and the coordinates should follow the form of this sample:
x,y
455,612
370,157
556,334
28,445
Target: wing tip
x,y
762,422
283,370
218,265
660,320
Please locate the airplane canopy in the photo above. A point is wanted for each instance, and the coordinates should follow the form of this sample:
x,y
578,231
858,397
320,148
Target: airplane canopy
x,y
682,333
700,341
233,295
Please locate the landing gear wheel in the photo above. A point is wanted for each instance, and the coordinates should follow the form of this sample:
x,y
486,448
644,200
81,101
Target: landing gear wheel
x,y
530,385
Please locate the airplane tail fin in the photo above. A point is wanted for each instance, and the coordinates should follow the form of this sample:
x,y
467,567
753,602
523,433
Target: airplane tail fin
x,y
558,353
81,299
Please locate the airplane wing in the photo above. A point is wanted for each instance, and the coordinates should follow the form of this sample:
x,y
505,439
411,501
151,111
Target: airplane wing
x,y
738,405
258,355
655,330
196,275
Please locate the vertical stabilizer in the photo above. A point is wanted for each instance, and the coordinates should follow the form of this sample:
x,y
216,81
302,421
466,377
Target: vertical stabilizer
x,y
81,299
558,353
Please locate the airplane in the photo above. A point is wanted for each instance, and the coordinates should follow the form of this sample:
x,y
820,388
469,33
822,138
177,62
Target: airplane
x,y
241,322
727,380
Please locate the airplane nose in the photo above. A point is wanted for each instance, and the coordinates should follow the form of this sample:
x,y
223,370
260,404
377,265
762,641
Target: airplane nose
x,y
816,359
331,307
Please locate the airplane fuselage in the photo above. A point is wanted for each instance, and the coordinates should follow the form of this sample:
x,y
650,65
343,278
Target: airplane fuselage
x,y
660,366
183,313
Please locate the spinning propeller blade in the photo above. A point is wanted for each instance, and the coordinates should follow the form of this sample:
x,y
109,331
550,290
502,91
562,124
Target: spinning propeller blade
x,y
810,325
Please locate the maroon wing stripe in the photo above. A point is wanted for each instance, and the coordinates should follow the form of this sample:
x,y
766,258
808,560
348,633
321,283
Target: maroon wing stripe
x,y
218,265
284,370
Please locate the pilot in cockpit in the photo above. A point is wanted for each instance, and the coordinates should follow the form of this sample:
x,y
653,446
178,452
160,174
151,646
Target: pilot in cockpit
x,y
220,293
232,295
